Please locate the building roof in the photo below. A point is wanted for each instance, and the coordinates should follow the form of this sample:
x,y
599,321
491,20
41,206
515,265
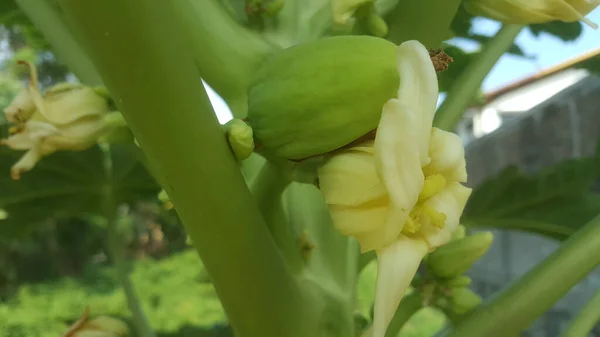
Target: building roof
x,y
490,96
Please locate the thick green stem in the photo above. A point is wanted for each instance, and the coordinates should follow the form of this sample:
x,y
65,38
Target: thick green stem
x,y
115,249
465,87
226,54
268,189
410,304
427,21
588,317
522,303
49,22
144,59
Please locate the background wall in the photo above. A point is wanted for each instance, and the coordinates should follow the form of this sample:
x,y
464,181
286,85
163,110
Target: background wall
x,y
565,126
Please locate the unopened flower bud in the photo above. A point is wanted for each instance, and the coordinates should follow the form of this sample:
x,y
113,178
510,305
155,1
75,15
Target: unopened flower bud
x,y
240,138
463,300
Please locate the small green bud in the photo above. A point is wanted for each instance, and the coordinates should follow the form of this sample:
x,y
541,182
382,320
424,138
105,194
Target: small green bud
x,y
457,257
376,25
459,233
102,91
274,7
458,282
464,300
240,138
319,96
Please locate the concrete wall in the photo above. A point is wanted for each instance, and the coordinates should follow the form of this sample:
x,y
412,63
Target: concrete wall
x,y
565,126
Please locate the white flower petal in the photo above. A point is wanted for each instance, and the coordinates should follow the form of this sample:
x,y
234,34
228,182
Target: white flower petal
x,y
418,90
398,160
451,201
447,154
397,266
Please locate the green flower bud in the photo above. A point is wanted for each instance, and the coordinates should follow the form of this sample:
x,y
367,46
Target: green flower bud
x,y
376,25
240,138
457,257
458,282
459,233
317,97
464,300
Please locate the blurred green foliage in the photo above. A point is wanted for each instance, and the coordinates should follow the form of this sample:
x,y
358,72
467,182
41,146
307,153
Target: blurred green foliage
x,y
176,294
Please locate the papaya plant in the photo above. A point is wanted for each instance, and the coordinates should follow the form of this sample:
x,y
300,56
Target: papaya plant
x,y
337,155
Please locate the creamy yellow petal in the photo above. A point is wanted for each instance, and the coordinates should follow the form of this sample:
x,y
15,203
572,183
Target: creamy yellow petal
x,y
350,178
418,90
451,201
21,108
353,220
398,160
78,135
397,266
26,163
38,130
447,154
19,141
67,106
533,11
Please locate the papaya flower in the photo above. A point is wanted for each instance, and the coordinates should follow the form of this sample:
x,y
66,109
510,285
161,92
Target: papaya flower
x,y
400,194
67,117
100,326
533,11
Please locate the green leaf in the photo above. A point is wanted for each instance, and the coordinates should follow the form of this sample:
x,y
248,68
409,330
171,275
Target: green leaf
x,y
566,31
554,202
67,184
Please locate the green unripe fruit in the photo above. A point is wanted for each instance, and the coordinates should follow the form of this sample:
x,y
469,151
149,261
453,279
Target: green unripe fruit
x,y
317,97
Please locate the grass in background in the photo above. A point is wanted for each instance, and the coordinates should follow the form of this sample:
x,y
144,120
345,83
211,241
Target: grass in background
x,y
177,297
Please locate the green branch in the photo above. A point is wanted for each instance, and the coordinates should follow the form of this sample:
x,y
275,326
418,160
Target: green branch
x,y
64,45
522,303
588,317
268,189
115,249
427,21
144,59
226,54
465,87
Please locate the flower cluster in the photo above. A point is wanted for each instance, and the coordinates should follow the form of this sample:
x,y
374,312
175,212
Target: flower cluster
x,y
67,116
401,194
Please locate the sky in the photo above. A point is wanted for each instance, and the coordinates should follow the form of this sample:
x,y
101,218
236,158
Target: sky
x,y
547,50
